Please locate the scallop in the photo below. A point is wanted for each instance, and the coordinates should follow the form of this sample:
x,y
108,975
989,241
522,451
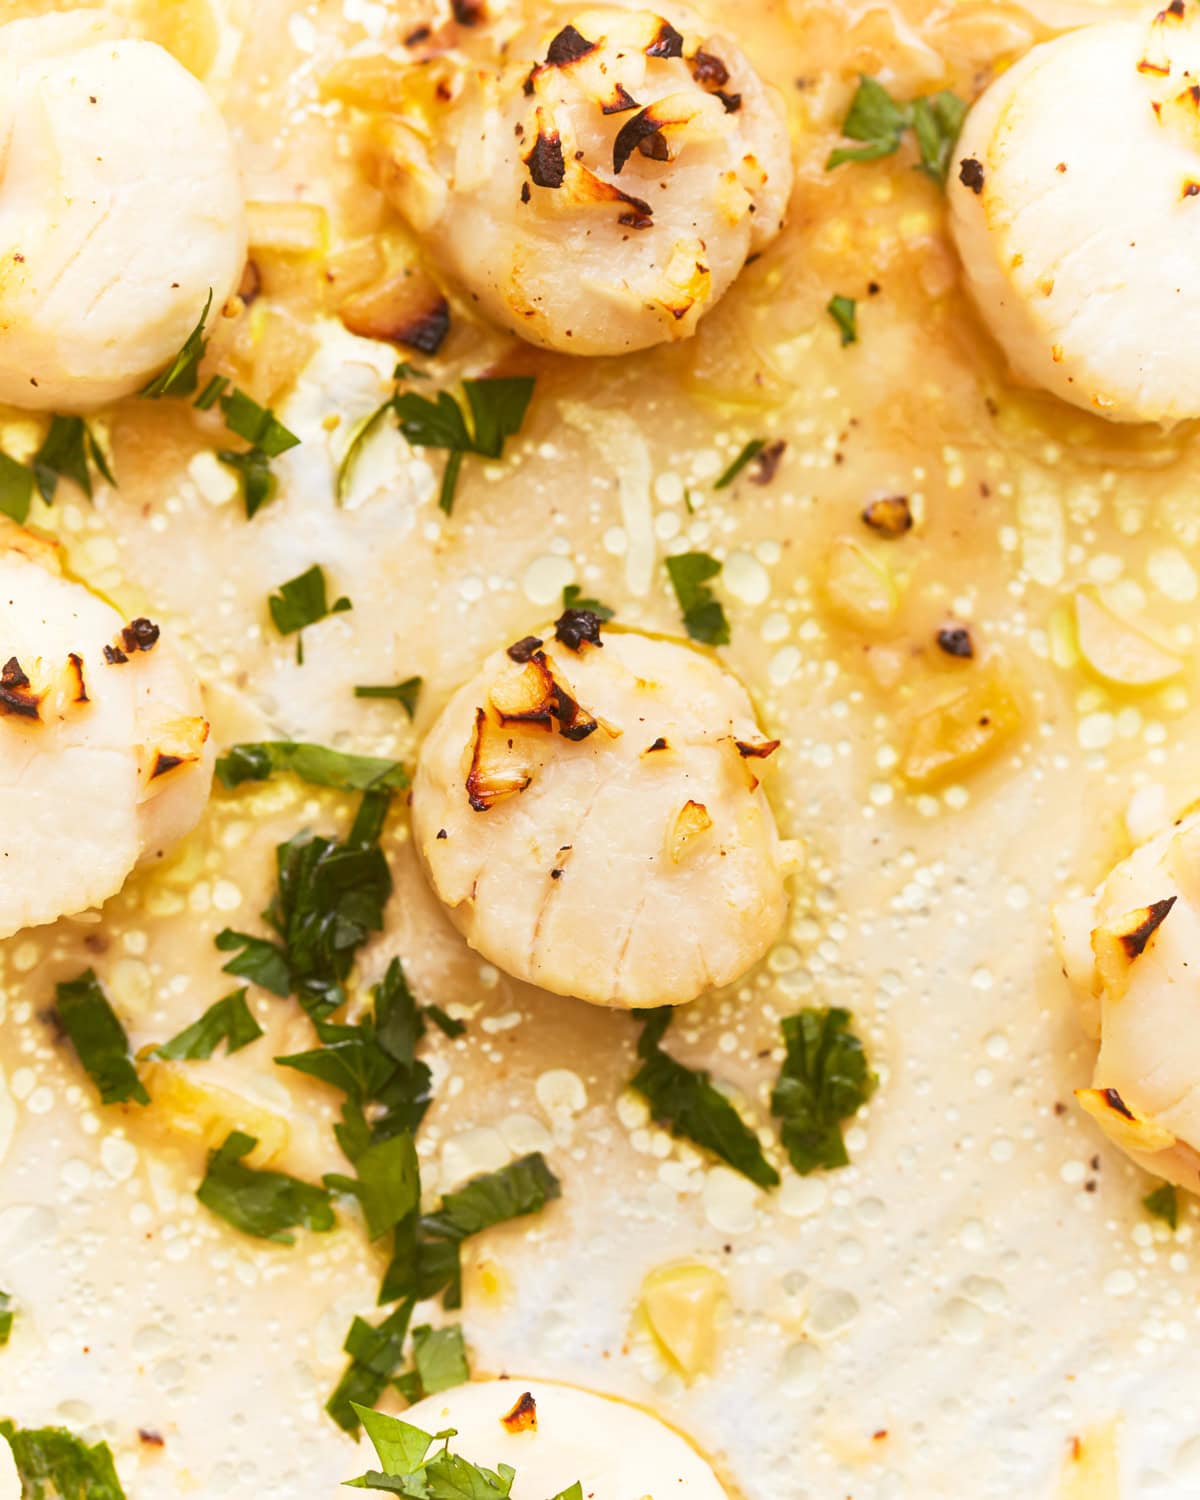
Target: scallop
x,y
104,753
1131,951
1075,202
120,210
598,182
590,810
556,1436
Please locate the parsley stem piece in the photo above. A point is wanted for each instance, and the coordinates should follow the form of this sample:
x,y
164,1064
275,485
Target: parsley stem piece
x,y
6,1318
748,454
844,312
16,489
315,764
404,693
703,614
824,1080
684,1100
181,376
263,1204
99,1040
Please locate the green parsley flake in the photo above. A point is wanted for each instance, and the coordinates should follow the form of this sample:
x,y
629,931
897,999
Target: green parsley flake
x,y
404,693
684,1100
824,1080
303,601
261,962
1163,1203
497,410
747,456
573,598
315,764
263,1204
703,613
69,451
54,1464
879,122
268,438
844,312
181,377
440,1359
376,1354
228,1020
16,489
7,1314
99,1039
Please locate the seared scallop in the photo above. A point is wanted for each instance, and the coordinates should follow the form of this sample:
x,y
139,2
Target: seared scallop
x,y
556,1436
120,210
590,810
1075,195
104,754
599,181
1132,952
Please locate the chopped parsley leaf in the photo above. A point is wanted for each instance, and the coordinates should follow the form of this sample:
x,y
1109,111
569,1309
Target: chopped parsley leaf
x,y
703,613
574,1493
440,1359
572,598
268,438
879,122
181,376
409,1468
497,407
263,1204
376,1353
1163,1203
844,312
405,693
444,1023
302,601
748,454
257,960
824,1080
16,489
685,1101
387,1180
315,764
53,1464
426,1259
6,1318
211,393
228,1020
69,451
99,1039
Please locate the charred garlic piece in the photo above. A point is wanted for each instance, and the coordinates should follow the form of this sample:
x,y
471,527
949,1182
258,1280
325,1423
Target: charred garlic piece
x,y
592,816
120,210
104,755
1131,950
555,1436
600,182
1075,195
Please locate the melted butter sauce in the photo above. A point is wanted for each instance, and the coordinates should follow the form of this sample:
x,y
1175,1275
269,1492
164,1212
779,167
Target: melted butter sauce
x,y
978,1286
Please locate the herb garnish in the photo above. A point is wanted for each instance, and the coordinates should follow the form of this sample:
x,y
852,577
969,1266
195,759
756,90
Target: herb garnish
x,y
181,376
750,452
1163,1203
16,489
685,1101
426,1259
54,1464
99,1039
703,613
302,601
573,598
69,451
879,121
260,1203
447,1025
261,962
844,312
497,407
440,1360
228,1020
824,1080
6,1318
315,764
268,438
376,1352
405,693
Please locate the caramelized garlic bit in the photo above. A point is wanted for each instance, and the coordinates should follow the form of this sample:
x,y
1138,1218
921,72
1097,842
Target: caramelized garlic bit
x,y
407,307
594,191
890,515
960,727
523,1416
681,1303
674,879
1130,951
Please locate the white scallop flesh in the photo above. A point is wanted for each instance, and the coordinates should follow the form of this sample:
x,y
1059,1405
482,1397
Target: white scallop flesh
x,y
120,209
1145,1021
102,764
573,243
613,1450
638,866
1080,246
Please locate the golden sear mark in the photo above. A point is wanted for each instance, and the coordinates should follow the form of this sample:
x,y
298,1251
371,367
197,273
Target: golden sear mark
x,y
1116,945
1122,1123
523,1416
494,774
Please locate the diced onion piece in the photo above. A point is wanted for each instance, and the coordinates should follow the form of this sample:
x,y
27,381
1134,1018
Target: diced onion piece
x,y
287,228
860,589
681,1303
